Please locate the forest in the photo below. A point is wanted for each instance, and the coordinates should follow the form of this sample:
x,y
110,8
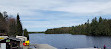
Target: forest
x,y
97,27
11,26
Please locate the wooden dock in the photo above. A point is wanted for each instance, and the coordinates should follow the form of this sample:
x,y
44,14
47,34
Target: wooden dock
x,y
87,48
46,46
42,46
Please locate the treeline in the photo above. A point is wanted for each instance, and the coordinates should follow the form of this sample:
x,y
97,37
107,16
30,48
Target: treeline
x,y
35,32
10,25
97,27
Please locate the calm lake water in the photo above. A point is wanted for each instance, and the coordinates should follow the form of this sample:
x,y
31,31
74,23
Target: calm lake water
x,y
62,41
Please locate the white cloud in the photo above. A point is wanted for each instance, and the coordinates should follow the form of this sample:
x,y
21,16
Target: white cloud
x,y
30,10
86,7
27,6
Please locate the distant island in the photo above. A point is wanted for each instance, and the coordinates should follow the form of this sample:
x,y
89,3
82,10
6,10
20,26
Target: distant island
x,y
35,32
97,27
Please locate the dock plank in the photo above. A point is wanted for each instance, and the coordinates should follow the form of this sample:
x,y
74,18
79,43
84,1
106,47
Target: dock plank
x,y
87,48
43,46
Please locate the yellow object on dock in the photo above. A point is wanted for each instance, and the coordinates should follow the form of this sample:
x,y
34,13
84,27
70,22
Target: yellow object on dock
x,y
27,42
1,38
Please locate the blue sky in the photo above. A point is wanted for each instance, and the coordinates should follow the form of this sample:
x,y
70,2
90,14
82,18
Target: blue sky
x,y
40,15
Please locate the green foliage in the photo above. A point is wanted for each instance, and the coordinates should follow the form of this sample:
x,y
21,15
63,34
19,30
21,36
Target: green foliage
x,y
10,25
59,30
26,34
35,32
97,27
19,26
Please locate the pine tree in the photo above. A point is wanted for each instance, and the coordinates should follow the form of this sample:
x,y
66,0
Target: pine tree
x,y
100,19
88,28
26,33
19,26
94,25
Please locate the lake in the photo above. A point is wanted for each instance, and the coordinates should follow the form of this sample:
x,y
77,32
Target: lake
x,y
62,41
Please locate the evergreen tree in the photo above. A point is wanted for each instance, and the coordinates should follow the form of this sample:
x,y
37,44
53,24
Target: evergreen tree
x,y
100,19
26,33
94,24
88,28
100,26
19,26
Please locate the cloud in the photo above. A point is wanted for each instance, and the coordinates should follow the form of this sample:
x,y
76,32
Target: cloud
x,y
86,7
76,6
43,14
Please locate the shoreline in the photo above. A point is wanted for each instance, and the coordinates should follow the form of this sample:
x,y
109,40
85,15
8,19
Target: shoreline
x,y
75,34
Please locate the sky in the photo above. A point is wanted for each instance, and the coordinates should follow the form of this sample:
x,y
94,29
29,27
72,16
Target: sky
x,y
40,15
